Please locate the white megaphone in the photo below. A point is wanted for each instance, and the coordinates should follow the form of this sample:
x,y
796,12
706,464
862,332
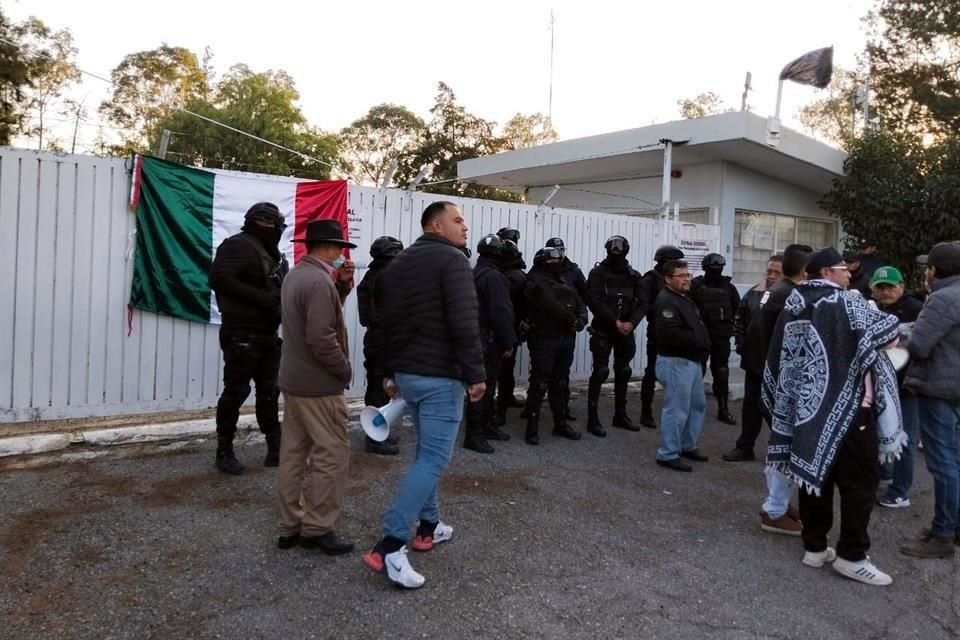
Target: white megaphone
x,y
376,422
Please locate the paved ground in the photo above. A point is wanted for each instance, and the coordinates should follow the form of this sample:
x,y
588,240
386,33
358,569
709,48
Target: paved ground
x,y
581,539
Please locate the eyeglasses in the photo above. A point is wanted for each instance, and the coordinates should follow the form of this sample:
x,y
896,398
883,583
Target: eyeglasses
x,y
840,269
682,276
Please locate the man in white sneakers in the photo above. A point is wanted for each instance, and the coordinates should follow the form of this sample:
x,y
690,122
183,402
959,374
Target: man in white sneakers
x,y
834,411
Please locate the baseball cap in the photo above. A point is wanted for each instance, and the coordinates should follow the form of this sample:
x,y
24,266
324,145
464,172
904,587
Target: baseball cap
x,y
886,275
822,259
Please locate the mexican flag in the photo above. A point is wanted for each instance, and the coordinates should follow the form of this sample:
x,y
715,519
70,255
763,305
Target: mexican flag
x,y
184,213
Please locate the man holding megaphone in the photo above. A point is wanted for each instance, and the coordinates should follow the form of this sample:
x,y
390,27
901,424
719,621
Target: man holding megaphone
x,y
432,350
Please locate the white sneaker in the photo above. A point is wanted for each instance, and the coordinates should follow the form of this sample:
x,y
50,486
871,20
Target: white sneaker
x,y
442,533
863,571
894,503
396,567
817,559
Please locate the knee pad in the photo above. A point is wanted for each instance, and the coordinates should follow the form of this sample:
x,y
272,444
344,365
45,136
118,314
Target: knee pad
x,y
601,373
624,372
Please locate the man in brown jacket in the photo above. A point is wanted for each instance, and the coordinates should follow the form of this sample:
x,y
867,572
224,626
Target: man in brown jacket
x,y
314,371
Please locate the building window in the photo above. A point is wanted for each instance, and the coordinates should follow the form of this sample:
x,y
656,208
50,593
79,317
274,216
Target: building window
x,y
759,235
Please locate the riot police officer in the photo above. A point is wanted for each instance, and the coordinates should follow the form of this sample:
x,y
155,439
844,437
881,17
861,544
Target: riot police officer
x,y
573,277
498,338
618,305
553,330
514,268
717,300
383,250
246,275
653,284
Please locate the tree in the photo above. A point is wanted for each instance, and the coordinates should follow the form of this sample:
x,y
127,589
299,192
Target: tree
x,y
14,79
386,133
914,57
148,87
50,57
705,104
525,131
832,116
261,104
452,135
900,192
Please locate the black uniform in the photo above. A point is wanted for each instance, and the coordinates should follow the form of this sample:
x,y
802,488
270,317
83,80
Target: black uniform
x,y
497,335
653,284
552,334
616,292
246,275
718,300
375,396
860,281
515,274
573,277
746,333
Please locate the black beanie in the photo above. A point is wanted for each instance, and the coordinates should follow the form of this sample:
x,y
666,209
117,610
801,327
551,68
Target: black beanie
x,y
822,259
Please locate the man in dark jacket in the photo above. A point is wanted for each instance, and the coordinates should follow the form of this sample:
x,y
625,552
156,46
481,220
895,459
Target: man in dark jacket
x,y
431,351
890,297
859,278
746,335
718,301
553,328
618,302
514,269
383,250
246,276
934,346
498,339
870,260
573,277
652,286
682,347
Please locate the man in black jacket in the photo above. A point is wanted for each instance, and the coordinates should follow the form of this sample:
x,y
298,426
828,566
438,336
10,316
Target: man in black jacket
x,y
432,351
246,275
498,339
383,250
514,268
652,286
682,347
746,335
553,328
859,278
619,304
573,277
718,300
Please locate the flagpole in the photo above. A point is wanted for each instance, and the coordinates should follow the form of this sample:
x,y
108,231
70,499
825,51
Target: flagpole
x,y
776,112
773,123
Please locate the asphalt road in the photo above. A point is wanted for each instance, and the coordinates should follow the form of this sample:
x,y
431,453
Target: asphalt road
x,y
581,539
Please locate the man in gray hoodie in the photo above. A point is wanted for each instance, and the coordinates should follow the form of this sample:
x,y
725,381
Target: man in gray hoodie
x,y
934,346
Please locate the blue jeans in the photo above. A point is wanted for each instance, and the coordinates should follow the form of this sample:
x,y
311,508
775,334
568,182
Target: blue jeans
x,y
779,490
684,404
436,405
939,422
903,468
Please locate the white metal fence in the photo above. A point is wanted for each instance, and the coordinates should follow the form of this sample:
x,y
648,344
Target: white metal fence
x,y
65,237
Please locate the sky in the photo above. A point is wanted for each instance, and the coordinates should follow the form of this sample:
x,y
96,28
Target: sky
x,y
616,65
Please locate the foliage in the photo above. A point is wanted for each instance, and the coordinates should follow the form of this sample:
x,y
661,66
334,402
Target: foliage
x,y
386,133
525,131
14,79
705,104
832,116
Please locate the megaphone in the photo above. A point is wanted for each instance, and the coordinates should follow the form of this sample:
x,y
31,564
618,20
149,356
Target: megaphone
x,y
376,422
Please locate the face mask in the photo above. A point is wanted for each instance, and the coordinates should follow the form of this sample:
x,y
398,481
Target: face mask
x,y
339,262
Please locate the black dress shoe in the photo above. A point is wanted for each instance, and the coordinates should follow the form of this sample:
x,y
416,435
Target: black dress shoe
x,y
596,429
393,438
480,445
646,419
568,432
384,448
726,418
288,542
493,432
567,415
739,455
328,543
676,464
532,438
624,422
695,455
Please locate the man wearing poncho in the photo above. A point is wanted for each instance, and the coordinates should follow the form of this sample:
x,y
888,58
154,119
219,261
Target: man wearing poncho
x,y
835,414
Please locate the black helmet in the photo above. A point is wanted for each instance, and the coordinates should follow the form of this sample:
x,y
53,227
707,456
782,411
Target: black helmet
x,y
385,247
667,252
508,233
490,245
557,243
547,253
266,211
617,244
713,260
509,251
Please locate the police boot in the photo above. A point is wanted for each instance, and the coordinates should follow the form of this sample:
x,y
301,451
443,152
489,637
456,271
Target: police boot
x,y
493,432
566,404
560,426
646,416
723,412
474,440
532,435
272,458
385,448
620,418
593,420
535,395
226,461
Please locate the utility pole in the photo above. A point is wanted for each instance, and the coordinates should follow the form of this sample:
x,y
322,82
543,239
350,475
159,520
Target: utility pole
x,y
746,90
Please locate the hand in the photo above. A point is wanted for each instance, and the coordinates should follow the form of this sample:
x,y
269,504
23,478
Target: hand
x,y
508,353
390,388
625,328
476,391
346,271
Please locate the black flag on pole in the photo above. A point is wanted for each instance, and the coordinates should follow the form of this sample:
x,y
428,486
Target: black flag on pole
x,y
815,68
